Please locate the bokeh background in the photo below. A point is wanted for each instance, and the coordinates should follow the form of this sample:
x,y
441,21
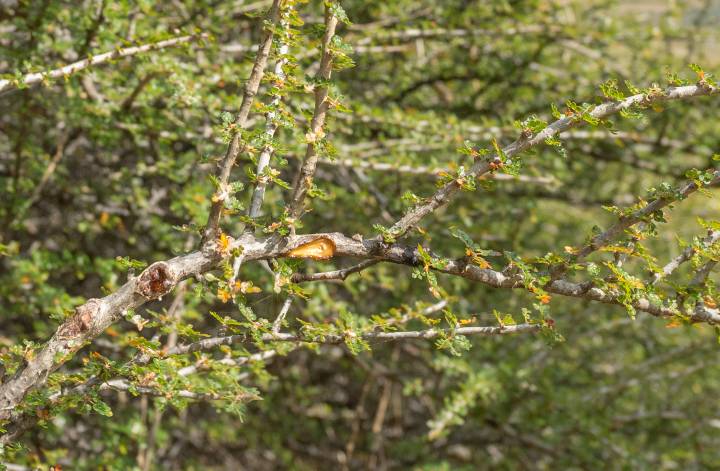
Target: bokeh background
x,y
131,145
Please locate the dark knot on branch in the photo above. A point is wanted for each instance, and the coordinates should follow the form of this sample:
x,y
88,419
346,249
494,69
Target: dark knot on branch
x,y
156,281
82,320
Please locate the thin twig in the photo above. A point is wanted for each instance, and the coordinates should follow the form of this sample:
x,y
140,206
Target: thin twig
x,y
261,356
271,125
304,178
277,324
49,170
684,256
626,221
71,336
333,275
210,343
233,150
128,102
702,273
413,34
528,140
432,171
31,79
125,385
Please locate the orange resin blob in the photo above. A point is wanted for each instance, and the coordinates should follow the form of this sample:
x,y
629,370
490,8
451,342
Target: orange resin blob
x,y
318,249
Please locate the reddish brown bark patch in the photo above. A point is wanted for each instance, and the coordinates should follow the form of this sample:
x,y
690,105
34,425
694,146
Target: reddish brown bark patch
x,y
82,320
156,281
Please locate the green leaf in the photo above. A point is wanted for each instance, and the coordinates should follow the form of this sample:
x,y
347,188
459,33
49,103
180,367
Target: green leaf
x,y
100,407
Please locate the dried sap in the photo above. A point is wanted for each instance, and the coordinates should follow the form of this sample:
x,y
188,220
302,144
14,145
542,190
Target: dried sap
x,y
318,249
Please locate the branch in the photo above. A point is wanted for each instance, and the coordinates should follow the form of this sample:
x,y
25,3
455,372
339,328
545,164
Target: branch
x,y
702,273
478,132
686,255
93,317
20,423
233,150
332,275
31,79
271,125
207,344
406,255
125,385
526,141
431,171
23,423
277,323
413,34
625,222
47,175
304,178
261,356
130,99
210,343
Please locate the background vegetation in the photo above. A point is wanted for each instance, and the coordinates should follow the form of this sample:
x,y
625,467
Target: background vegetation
x,y
107,170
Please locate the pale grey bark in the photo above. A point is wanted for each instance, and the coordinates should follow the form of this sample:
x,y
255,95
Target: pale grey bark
x,y
432,171
684,256
93,317
271,125
304,179
602,239
235,147
524,142
333,275
37,77
214,342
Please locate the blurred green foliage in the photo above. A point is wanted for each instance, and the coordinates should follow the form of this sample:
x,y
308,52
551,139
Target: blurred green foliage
x,y
132,144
